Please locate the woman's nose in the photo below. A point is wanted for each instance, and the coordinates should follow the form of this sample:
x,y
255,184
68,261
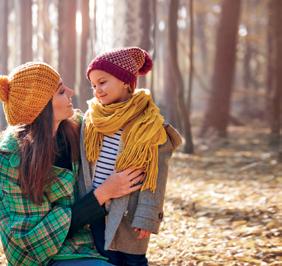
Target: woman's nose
x,y
70,92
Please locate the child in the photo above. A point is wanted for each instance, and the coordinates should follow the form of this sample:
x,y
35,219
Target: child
x,y
123,128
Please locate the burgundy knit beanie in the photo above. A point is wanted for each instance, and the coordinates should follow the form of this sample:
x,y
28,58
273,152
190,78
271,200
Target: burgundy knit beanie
x,y
125,63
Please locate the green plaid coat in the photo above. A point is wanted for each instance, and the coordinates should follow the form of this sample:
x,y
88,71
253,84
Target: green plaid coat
x,y
33,234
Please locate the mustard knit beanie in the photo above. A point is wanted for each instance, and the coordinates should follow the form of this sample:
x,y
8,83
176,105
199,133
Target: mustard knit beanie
x,y
27,90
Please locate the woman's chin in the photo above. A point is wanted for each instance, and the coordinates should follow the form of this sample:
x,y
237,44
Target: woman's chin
x,y
70,113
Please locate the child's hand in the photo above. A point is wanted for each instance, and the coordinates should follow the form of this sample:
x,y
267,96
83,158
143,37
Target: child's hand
x,y
142,233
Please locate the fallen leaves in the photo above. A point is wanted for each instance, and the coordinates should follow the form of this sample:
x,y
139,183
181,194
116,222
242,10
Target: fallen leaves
x,y
222,215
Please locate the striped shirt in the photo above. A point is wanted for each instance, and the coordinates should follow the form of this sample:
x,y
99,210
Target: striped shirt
x,y
105,165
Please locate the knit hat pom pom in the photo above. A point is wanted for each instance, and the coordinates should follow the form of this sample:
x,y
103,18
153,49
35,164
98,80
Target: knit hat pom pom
x,y
147,66
4,88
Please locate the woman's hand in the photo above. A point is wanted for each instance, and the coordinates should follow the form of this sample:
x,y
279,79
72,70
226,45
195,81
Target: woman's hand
x,y
119,184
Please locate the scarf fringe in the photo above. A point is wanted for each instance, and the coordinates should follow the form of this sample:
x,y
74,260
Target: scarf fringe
x,y
92,140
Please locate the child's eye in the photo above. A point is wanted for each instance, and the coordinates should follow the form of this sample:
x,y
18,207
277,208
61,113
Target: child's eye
x,y
102,82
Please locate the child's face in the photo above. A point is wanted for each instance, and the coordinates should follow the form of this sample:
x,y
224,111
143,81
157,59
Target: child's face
x,y
107,88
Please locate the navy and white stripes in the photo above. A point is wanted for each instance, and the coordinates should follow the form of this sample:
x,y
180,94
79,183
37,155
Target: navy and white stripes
x,y
105,164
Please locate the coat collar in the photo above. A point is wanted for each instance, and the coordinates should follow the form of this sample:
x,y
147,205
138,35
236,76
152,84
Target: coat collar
x,y
8,141
9,144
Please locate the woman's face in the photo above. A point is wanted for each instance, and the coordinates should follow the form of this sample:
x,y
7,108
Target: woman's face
x,y
107,88
62,103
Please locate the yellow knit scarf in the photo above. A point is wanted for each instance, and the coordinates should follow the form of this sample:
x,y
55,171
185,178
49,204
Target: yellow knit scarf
x,y
143,132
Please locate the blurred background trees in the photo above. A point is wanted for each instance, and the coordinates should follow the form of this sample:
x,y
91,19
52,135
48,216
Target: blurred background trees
x,y
216,62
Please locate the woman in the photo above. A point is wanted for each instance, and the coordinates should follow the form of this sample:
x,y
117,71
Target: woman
x,y
39,154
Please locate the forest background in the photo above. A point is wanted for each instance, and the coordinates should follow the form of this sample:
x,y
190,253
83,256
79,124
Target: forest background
x,y
217,78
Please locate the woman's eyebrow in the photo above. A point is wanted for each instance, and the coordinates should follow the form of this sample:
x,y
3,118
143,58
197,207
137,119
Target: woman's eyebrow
x,y
60,84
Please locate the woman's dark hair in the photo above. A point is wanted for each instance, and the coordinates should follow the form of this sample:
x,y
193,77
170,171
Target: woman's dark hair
x,y
38,150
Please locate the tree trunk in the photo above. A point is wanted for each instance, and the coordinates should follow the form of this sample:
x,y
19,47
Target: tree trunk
x,y
171,106
4,50
246,101
178,80
200,27
67,42
217,114
189,147
4,37
154,44
93,31
278,87
270,63
277,99
26,30
85,92
146,9
47,27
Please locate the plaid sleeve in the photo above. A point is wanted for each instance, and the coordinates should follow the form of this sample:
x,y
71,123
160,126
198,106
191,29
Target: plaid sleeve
x,y
41,242
31,234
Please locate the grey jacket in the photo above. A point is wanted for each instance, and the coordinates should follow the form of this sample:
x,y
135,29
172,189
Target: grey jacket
x,y
139,209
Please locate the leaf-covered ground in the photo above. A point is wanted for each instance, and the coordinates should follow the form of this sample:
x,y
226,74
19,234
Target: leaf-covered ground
x,y
223,205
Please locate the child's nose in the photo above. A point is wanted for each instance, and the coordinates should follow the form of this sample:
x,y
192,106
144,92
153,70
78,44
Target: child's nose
x,y
98,89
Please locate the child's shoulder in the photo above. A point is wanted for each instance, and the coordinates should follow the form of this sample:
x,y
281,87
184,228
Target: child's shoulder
x,y
174,138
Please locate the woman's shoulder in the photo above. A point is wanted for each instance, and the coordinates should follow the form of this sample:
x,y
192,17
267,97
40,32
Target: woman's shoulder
x,y
9,141
9,150
77,116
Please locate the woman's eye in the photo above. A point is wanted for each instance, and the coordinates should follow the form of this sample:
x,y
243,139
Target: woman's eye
x,y
102,82
62,91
